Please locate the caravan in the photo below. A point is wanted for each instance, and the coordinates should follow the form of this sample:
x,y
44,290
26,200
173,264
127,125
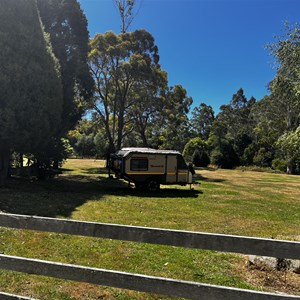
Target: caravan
x,y
148,168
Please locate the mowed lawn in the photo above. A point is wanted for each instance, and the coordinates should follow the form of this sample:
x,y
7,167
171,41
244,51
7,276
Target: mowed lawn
x,y
224,201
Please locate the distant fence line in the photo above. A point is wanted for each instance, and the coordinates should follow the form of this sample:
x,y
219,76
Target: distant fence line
x,y
151,284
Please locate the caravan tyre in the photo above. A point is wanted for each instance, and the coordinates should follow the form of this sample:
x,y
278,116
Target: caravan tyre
x,y
153,185
139,185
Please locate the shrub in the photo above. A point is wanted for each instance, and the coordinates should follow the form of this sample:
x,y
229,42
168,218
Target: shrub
x,y
224,156
263,158
195,144
200,159
279,164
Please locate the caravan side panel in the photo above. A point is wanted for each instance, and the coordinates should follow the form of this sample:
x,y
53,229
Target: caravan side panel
x,y
140,167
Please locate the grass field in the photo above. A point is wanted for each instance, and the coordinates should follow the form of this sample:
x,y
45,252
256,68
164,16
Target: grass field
x,y
225,201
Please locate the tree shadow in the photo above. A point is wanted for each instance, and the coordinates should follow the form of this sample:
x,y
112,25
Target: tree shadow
x,y
96,171
61,196
52,198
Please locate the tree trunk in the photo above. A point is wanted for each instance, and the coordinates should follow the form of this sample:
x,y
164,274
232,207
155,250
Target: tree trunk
x,y
120,126
144,139
120,131
21,165
55,164
4,166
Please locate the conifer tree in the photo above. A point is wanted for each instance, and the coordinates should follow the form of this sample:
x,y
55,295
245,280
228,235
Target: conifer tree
x,y
30,84
67,27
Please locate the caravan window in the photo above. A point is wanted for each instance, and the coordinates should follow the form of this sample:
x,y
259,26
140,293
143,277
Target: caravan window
x,y
181,163
139,164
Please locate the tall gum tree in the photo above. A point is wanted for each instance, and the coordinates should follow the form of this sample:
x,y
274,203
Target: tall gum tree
x,y
203,117
120,64
278,115
173,129
126,9
285,97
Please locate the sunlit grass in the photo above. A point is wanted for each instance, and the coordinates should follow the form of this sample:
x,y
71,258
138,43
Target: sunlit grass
x,y
224,201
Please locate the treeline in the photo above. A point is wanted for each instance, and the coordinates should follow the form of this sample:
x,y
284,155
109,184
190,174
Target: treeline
x,y
52,75
134,106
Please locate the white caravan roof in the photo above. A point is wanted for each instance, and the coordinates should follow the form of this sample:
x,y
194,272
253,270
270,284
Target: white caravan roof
x,y
127,151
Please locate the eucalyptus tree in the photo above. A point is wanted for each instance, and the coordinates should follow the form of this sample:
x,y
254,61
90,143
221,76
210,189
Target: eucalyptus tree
x,y
122,66
289,144
235,115
202,120
30,83
281,109
232,131
148,103
126,9
279,113
285,93
173,129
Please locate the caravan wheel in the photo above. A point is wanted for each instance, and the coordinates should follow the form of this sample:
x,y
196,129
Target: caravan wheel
x,y
139,185
153,185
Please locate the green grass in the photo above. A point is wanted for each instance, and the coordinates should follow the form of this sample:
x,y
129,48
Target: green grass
x,y
226,201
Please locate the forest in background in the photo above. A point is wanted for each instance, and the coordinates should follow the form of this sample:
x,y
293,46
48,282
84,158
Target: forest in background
x,y
64,93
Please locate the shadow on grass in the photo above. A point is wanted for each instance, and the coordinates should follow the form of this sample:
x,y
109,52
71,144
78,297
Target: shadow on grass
x,y
52,198
202,178
163,193
61,196
96,171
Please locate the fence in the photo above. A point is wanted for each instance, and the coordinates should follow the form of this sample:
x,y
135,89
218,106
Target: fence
x,y
150,284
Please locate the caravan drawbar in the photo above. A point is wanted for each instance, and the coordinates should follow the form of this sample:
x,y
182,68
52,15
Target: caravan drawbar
x,y
148,168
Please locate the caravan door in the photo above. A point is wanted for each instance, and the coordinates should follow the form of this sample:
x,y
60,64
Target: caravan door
x,y
182,170
171,169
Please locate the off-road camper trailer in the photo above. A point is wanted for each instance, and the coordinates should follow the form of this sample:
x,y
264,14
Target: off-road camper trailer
x,y
148,168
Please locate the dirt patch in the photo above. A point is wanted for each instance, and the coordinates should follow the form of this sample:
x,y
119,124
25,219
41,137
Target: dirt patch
x,y
269,279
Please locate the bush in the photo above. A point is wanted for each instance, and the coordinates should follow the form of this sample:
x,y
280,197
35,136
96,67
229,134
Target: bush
x,y
248,155
224,156
263,158
195,144
279,164
200,159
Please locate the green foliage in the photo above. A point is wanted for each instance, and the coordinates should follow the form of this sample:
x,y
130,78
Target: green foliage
x,y
174,119
88,141
236,117
195,144
200,159
263,157
277,115
224,156
31,89
232,131
202,120
67,27
289,144
248,155
279,164
128,82
286,50
101,145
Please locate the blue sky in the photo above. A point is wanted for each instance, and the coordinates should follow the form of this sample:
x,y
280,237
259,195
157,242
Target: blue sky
x,y
211,47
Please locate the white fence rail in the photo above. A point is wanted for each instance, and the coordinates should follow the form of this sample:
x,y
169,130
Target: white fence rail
x,y
150,284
